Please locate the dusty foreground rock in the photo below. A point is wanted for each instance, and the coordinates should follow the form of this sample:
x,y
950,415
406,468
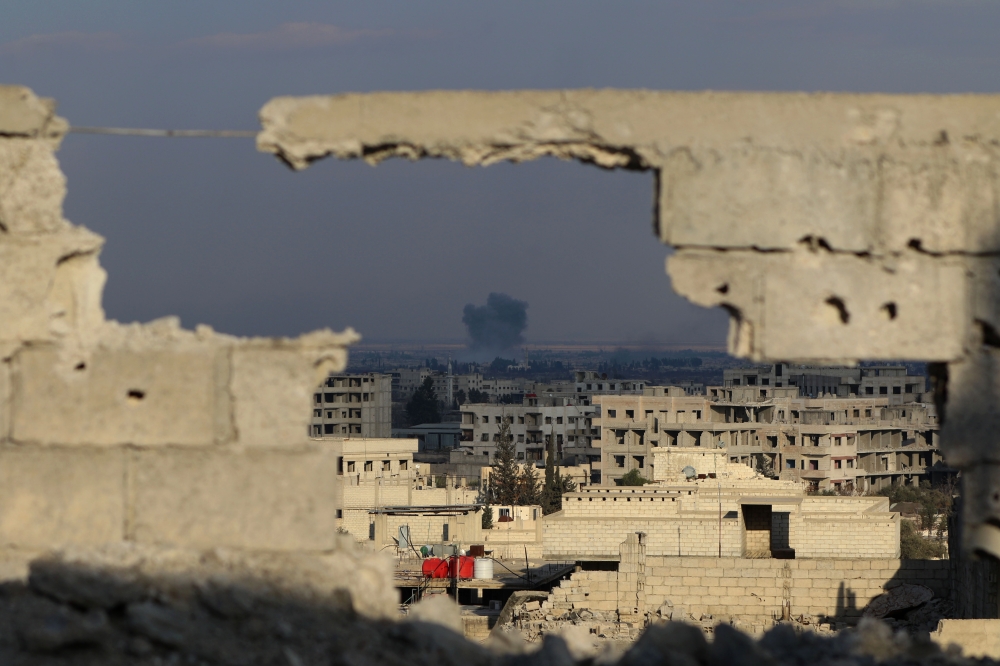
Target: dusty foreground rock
x,y
148,606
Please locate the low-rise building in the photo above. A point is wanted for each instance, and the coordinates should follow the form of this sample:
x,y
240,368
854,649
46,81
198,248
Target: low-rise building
x,y
379,472
702,504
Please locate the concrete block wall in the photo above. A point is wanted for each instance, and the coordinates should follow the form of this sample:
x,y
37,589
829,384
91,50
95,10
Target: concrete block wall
x,y
752,591
827,225
142,434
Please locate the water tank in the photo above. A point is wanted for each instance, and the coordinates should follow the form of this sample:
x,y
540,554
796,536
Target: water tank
x,y
688,472
482,569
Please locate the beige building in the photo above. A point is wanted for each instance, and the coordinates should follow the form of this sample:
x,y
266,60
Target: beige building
x,y
376,473
880,381
359,405
702,504
830,443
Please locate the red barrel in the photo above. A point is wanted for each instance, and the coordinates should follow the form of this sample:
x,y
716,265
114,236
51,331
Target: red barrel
x,y
461,566
434,567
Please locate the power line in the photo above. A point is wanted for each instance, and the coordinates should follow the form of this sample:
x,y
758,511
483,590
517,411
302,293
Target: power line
x,y
132,131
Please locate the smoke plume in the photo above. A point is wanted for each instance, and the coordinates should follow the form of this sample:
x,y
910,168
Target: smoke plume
x,y
496,326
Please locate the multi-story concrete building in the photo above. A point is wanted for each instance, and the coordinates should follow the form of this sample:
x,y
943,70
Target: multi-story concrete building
x,y
349,404
889,381
829,443
564,422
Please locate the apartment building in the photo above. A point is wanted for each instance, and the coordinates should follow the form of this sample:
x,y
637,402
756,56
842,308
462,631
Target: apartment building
x,y
563,422
358,405
828,443
889,381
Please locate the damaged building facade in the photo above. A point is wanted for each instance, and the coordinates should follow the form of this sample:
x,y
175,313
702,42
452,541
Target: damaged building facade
x,y
842,444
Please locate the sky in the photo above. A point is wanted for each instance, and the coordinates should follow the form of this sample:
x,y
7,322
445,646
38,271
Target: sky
x,y
216,233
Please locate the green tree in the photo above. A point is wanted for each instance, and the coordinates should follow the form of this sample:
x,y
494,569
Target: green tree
x,y
505,478
528,486
915,546
488,518
633,478
423,405
555,484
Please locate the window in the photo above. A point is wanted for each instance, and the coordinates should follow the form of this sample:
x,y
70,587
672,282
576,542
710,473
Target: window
x,y
328,429
837,464
520,438
340,513
911,388
751,380
559,419
869,390
505,513
764,381
619,461
697,415
883,390
896,390
638,461
484,437
814,464
343,415
802,464
611,386
340,465
777,370
386,465
486,419
403,465
612,413
317,412
520,420
736,382
868,413
317,430
857,413
790,464
369,466
850,464
630,413
497,419
548,420
350,466
327,397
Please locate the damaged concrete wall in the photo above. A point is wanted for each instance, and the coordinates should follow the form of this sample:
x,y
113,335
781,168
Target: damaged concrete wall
x,y
832,227
139,434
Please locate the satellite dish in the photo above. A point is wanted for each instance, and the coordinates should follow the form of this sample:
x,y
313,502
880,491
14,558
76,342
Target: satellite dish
x,y
689,472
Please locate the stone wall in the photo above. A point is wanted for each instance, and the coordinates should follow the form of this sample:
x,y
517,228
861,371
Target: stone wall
x,y
145,435
749,591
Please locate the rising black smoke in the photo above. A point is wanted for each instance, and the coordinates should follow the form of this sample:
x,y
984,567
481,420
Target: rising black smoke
x,y
496,326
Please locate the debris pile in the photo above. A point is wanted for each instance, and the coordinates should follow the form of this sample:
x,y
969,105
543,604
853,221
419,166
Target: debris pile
x,y
219,609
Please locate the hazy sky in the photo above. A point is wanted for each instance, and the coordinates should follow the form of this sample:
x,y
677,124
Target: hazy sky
x,y
217,233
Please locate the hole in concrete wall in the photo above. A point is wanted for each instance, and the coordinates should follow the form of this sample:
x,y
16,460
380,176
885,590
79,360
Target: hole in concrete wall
x,y
815,243
723,288
889,310
988,333
135,396
80,367
837,304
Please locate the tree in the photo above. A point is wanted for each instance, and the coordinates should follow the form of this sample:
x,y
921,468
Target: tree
x,y
555,484
529,491
460,398
488,518
477,397
633,478
504,477
915,546
423,405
